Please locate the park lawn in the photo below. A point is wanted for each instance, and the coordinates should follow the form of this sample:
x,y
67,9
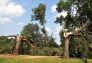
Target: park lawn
x,y
38,59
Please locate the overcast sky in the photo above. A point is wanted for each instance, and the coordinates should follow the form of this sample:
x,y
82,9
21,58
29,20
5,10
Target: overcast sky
x,y
14,14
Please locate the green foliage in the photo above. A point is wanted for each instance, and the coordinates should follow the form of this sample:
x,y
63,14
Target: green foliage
x,y
34,35
24,49
47,51
51,42
73,47
3,43
39,14
6,45
62,39
64,5
82,14
31,32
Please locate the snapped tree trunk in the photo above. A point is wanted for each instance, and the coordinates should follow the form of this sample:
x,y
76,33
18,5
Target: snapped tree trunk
x,y
66,50
18,42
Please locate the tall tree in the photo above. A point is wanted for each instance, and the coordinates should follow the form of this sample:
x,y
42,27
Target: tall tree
x,y
78,17
39,15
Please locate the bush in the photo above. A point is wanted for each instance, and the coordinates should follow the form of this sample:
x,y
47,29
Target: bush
x,y
47,51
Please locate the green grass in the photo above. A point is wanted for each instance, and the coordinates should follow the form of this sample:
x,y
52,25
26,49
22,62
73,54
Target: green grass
x,y
23,59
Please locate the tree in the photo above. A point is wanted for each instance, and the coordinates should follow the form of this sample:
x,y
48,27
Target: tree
x,y
39,15
78,18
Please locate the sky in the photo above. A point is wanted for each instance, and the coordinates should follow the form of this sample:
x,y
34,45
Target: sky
x,y
14,14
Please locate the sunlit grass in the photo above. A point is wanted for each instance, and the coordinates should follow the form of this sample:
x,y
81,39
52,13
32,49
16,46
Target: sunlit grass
x,y
32,59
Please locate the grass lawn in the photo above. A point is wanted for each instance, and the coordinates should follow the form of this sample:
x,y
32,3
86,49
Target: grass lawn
x,y
38,59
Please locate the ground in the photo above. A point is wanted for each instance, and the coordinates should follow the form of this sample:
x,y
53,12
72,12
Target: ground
x,y
38,59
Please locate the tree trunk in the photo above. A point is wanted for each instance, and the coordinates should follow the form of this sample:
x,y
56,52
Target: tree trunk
x,y
66,52
18,42
16,50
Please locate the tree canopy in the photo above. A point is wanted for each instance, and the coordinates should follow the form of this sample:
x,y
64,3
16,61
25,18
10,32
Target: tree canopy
x,y
79,13
39,14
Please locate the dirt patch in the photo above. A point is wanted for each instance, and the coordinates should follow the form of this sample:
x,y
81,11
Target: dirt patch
x,y
37,57
25,56
8,55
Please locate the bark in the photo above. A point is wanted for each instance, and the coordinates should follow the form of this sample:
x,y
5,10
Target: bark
x,y
18,42
66,52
